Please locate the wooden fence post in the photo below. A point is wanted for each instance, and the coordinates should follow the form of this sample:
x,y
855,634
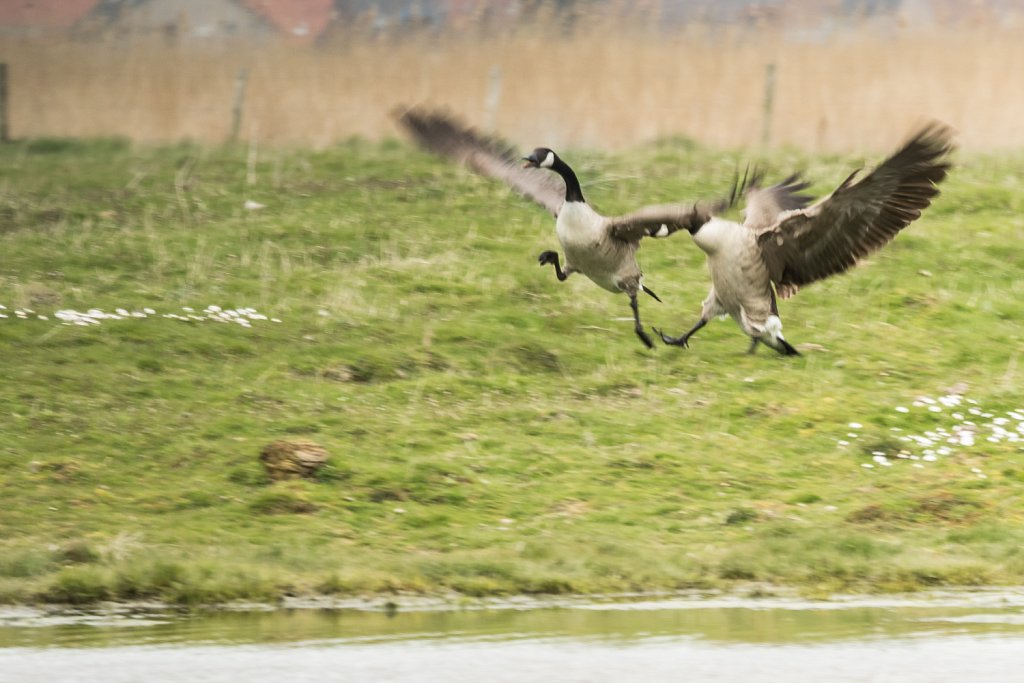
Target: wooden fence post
x,y
768,106
493,99
236,109
5,134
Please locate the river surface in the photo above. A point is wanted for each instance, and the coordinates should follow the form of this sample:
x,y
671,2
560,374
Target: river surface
x,y
962,637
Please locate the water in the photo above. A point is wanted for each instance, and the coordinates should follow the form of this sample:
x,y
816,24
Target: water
x,y
945,637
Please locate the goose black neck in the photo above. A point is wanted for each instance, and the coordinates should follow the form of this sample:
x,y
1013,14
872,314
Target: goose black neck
x,y
573,193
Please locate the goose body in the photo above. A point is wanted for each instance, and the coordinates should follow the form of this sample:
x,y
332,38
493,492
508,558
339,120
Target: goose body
x,y
784,243
602,248
610,264
738,275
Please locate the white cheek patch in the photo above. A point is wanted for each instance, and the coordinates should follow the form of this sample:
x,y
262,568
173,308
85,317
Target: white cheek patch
x,y
662,231
549,160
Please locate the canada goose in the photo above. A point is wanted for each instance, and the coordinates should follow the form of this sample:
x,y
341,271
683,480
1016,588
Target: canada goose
x,y
783,244
602,248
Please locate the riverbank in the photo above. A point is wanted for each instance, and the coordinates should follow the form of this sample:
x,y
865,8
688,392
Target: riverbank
x,y
741,597
490,431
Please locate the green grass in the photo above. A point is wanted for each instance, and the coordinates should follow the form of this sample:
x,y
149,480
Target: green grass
x,y
491,430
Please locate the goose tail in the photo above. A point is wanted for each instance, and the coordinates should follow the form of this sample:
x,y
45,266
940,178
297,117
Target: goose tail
x,y
787,348
649,291
773,337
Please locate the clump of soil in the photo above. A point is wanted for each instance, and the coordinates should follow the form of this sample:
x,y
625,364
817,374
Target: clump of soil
x,y
299,459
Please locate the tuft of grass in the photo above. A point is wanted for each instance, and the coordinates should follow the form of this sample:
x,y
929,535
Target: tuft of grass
x,y
282,502
78,586
26,563
77,552
171,582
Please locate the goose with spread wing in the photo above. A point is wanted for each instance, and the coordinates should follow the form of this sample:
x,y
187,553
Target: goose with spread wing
x,y
601,247
784,244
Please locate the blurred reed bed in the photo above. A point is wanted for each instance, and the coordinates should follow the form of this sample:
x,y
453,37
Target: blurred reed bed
x,y
600,82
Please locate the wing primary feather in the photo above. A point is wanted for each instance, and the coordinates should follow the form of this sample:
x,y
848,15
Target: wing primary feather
x,y
765,205
443,134
860,216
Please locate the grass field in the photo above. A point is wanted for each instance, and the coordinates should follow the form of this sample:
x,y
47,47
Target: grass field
x,y
491,430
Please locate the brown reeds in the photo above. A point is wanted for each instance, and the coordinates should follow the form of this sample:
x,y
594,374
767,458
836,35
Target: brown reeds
x,y
601,84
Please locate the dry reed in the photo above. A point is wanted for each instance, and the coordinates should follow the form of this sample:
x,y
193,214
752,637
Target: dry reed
x,y
601,85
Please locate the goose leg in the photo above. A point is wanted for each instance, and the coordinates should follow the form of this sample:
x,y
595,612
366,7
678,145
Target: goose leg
x,y
552,257
683,340
753,346
644,337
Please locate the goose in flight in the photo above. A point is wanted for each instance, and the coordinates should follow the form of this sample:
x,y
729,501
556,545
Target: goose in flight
x,y
601,247
784,244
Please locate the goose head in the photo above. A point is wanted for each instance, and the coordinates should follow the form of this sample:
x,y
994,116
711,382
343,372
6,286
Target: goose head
x,y
542,157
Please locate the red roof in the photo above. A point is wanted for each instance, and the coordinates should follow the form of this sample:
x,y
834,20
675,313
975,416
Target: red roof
x,y
54,13
301,18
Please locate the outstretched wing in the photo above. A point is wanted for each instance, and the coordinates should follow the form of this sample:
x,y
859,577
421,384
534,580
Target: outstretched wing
x,y
663,220
658,221
446,136
829,237
764,204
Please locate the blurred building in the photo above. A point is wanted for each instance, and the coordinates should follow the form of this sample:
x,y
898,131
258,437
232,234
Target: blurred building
x,y
35,16
312,20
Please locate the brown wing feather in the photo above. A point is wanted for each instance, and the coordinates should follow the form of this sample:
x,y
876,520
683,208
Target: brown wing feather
x,y
658,221
446,136
662,220
764,204
858,217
